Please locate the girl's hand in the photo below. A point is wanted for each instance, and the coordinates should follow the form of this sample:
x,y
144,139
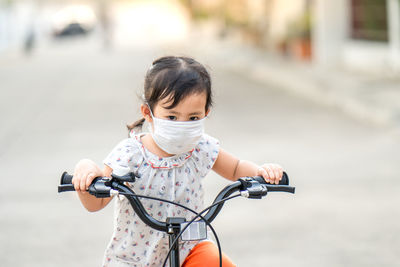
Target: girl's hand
x,y
84,173
271,172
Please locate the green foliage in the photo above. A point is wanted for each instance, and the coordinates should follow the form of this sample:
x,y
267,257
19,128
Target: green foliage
x,y
301,27
6,2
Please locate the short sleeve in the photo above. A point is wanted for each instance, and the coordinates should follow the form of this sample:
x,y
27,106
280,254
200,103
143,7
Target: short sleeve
x,y
123,156
205,154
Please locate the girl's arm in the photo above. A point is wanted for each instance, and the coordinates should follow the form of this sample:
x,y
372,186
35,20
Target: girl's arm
x,y
232,168
85,172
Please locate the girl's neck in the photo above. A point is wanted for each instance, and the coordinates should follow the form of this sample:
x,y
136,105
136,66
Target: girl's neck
x,y
150,145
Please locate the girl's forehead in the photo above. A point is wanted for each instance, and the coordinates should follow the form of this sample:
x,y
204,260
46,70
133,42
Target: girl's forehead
x,y
196,100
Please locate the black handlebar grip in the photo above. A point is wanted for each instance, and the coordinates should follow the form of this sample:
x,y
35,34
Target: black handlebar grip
x,y
66,183
283,181
66,178
283,185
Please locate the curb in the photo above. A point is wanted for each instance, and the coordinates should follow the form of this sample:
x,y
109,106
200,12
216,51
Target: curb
x,y
349,92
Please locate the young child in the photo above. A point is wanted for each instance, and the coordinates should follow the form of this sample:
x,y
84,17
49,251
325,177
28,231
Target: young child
x,y
171,160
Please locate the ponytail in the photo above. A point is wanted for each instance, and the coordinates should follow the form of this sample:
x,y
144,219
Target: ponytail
x,y
136,125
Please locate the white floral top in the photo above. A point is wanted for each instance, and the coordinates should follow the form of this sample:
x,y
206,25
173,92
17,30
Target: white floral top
x,y
177,178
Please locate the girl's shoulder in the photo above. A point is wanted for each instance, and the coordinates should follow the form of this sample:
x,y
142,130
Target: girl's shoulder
x,y
131,144
207,143
205,154
127,152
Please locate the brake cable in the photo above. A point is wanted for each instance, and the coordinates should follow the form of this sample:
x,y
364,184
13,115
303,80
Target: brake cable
x,y
198,215
191,221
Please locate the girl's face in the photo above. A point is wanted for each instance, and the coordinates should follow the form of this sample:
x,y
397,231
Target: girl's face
x,y
190,108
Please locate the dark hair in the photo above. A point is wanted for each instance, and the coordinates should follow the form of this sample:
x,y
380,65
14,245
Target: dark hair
x,y
174,78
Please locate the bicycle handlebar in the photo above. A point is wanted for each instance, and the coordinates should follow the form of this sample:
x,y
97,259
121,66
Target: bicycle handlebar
x,y
251,187
66,183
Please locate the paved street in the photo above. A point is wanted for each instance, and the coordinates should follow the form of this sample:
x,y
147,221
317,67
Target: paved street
x,y
71,100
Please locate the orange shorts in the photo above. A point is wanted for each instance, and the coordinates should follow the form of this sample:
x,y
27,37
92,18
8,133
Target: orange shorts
x,y
206,254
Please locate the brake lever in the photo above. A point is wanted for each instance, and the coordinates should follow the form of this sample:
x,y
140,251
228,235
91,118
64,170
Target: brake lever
x,y
101,188
256,188
129,177
252,189
283,185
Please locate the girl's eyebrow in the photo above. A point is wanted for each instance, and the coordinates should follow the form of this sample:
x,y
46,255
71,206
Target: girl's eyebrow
x,y
173,112
195,113
190,114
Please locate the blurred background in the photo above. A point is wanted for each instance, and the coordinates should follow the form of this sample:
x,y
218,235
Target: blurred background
x,y
313,85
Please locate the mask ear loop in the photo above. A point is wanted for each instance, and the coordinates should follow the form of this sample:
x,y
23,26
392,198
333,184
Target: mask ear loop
x,y
147,104
151,113
149,125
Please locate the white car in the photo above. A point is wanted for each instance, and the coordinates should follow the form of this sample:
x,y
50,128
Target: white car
x,y
73,20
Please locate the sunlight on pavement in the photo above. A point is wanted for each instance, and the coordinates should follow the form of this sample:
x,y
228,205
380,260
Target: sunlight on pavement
x,y
145,22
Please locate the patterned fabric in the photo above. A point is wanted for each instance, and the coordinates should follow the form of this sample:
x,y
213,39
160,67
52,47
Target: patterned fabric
x,y
177,178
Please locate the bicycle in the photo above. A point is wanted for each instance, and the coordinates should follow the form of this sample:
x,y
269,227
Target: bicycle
x,y
177,227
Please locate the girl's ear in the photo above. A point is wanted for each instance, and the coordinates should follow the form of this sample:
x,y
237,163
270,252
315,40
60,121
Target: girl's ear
x,y
145,110
207,112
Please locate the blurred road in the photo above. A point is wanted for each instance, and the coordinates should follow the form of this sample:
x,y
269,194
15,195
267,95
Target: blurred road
x,y
72,100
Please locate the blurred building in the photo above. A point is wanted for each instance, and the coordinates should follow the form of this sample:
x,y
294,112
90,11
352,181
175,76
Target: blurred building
x,y
354,34
25,22
14,19
359,34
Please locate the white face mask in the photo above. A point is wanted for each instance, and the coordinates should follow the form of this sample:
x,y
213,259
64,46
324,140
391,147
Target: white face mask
x,y
176,137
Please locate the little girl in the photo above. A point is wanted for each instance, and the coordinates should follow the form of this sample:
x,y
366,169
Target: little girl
x,y
171,161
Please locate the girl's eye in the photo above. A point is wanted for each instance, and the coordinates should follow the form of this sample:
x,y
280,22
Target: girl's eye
x,y
193,118
172,118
